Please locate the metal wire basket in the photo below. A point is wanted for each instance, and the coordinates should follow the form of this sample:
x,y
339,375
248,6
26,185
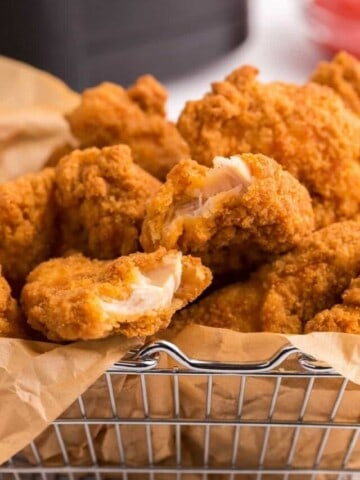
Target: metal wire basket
x,y
205,431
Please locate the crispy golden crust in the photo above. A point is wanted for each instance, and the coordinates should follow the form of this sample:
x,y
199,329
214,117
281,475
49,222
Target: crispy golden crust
x,y
307,129
11,322
101,196
282,296
235,307
242,228
344,317
27,224
62,298
309,279
342,75
109,115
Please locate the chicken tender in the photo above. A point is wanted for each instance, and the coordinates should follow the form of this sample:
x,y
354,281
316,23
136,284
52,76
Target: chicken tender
x,y
307,129
282,296
27,224
101,196
309,279
344,317
235,307
76,298
11,322
232,215
108,115
343,76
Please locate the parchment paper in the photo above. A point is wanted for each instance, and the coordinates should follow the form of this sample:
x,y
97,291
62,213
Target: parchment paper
x,y
342,351
32,104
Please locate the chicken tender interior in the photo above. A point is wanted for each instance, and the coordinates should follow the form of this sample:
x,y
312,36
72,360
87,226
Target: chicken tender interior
x,y
228,175
151,290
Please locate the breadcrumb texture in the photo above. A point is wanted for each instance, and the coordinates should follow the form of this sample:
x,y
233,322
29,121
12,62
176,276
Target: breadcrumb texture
x,y
344,317
285,295
101,196
66,298
342,75
307,129
237,225
108,115
11,321
27,224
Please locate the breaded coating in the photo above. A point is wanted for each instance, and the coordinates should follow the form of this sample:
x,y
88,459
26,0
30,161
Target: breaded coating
x,y
307,129
342,75
344,317
76,298
11,322
101,195
235,307
109,114
27,224
233,215
282,296
309,279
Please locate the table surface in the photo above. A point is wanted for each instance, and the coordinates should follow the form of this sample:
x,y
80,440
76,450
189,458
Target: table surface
x,y
277,44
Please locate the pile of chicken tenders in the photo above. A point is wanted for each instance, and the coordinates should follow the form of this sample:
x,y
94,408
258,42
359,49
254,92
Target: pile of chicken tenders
x,y
248,209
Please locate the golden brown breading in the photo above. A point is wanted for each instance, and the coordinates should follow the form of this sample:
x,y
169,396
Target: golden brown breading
x,y
77,298
109,115
282,296
27,224
233,215
344,317
11,322
342,75
101,196
307,129
235,307
309,279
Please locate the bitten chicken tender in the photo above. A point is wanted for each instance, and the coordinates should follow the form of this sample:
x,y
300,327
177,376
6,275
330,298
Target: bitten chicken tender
x,y
282,296
342,75
11,322
344,317
101,196
76,298
27,224
109,114
232,215
307,129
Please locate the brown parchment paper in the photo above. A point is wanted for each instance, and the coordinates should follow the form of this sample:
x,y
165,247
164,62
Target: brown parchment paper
x,y
342,351
32,126
39,381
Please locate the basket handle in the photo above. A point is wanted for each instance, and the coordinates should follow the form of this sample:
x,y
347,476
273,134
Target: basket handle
x,y
146,358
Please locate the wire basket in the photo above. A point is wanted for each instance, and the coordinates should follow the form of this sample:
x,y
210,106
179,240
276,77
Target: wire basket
x,y
200,434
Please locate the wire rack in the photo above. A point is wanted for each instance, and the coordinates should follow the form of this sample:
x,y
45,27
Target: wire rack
x,y
162,415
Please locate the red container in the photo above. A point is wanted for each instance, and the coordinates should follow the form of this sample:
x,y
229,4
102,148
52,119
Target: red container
x,y
335,24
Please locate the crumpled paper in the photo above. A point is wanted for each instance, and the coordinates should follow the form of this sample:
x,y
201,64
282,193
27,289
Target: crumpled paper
x,y
39,381
342,351
32,126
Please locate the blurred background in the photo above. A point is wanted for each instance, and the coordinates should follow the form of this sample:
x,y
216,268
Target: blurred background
x,y
186,44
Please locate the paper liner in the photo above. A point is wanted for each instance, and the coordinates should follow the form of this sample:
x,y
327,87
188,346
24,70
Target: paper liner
x,y
339,350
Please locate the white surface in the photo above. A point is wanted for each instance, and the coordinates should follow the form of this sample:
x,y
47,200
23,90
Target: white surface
x,y
277,45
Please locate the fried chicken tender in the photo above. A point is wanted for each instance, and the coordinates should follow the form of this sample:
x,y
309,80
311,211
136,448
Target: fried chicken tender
x,y
282,296
27,224
235,307
243,208
11,322
101,196
344,317
342,75
76,298
307,129
109,114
